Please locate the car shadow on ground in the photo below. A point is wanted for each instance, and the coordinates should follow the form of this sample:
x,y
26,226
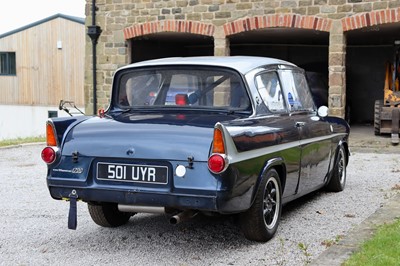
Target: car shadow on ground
x,y
220,231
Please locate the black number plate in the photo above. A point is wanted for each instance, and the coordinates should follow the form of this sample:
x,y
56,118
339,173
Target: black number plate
x,y
133,173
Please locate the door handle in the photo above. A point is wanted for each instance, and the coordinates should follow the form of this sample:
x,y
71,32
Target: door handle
x,y
300,124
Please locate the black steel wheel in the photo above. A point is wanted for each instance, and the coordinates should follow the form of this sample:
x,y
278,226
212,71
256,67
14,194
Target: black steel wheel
x,y
338,179
108,215
260,222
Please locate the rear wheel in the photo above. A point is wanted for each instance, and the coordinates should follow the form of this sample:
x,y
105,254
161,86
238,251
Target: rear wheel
x,y
338,179
260,222
377,116
108,215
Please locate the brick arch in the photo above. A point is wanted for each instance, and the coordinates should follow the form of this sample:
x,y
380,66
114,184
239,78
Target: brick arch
x,y
278,20
184,26
372,18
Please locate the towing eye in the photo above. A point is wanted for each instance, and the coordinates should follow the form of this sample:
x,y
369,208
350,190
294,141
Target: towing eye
x,y
72,216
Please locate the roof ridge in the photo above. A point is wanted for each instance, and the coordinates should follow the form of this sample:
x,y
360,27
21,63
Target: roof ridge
x,y
33,24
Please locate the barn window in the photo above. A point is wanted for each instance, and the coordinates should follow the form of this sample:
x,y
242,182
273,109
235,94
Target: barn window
x,y
7,63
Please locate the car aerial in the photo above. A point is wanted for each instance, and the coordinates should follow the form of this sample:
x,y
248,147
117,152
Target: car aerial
x,y
212,135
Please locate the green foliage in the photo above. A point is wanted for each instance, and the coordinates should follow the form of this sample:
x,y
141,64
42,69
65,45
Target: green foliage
x,y
304,248
18,141
382,249
330,242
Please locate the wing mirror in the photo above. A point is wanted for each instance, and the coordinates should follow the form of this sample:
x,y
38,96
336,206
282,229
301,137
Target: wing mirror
x,y
323,111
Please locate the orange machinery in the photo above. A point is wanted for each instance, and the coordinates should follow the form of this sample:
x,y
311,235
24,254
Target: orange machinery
x,y
387,111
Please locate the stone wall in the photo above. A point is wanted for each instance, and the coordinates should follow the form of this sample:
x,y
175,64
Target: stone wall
x,y
121,20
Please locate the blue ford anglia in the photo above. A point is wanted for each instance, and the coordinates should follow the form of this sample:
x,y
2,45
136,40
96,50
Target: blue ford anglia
x,y
213,135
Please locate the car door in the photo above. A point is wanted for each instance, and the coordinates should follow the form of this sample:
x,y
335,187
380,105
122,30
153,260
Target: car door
x,y
313,130
279,122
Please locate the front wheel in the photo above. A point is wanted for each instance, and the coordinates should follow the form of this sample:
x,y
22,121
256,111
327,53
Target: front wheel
x,y
260,222
108,215
338,179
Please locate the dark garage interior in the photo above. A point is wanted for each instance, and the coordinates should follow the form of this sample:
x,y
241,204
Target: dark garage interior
x,y
367,52
305,48
300,46
170,44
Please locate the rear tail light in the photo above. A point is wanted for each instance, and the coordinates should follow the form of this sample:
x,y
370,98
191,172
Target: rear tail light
x,y
51,135
49,155
217,162
218,142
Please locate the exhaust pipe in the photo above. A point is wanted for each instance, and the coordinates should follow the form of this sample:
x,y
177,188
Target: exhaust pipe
x,y
138,209
176,219
182,216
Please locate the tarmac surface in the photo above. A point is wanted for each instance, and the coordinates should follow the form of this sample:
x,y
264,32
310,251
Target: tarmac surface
x,y
362,139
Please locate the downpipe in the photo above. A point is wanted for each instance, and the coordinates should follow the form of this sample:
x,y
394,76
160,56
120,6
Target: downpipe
x,y
94,33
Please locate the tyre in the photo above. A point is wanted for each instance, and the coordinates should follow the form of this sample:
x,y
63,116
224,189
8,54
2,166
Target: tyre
x,y
338,179
377,116
108,215
260,222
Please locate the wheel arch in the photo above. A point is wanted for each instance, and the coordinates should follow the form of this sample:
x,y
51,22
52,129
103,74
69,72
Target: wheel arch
x,y
346,148
278,164
335,157
337,176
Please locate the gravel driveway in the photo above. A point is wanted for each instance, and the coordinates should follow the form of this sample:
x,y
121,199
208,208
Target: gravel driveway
x,y
34,226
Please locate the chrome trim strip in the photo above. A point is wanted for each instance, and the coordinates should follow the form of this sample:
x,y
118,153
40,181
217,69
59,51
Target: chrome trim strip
x,y
235,156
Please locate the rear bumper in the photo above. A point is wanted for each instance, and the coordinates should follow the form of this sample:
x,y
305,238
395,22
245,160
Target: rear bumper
x,y
142,198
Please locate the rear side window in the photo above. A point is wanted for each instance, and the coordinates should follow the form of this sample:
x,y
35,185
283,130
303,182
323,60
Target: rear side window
x,y
270,89
296,91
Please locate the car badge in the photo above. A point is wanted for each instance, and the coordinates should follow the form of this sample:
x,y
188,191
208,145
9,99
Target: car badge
x,y
77,170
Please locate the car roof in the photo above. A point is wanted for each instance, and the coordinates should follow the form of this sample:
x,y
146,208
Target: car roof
x,y
242,64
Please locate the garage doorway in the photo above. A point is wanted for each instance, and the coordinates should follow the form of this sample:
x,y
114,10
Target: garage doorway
x,y
170,44
299,46
368,49
308,49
